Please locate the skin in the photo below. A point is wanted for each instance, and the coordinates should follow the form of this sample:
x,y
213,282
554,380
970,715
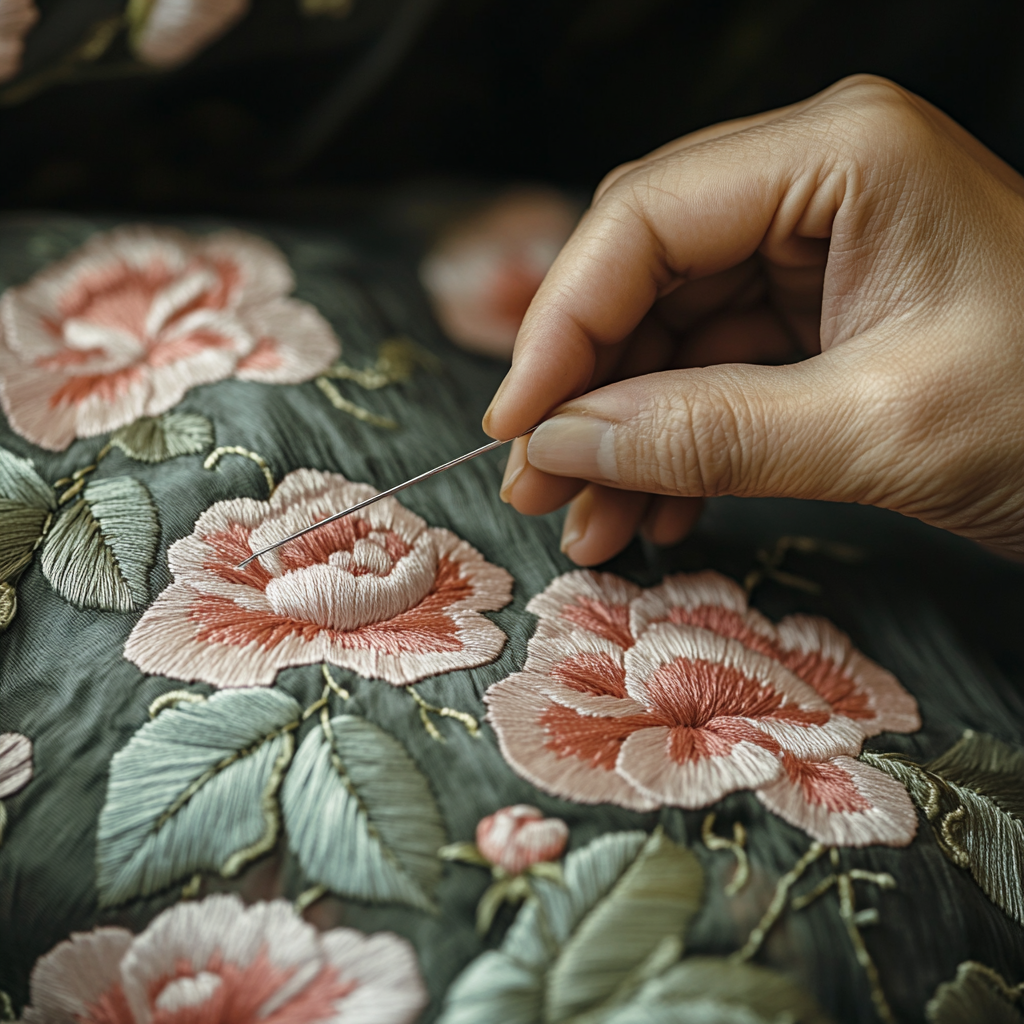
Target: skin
x,y
824,301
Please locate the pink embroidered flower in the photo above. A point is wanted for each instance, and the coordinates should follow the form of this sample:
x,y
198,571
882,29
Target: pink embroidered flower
x,y
220,962
15,762
174,31
124,326
515,838
379,592
16,18
681,694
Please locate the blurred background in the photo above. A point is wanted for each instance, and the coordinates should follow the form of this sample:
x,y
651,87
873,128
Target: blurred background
x,y
302,108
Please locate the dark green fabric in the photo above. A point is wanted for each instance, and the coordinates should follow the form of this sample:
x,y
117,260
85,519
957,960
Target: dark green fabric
x,y
941,615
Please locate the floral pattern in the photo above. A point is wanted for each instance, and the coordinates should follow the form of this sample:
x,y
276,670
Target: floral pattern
x,y
16,18
378,592
218,962
680,694
126,325
515,838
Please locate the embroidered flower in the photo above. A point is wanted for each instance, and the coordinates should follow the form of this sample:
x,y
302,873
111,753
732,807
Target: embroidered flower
x,y
681,694
124,326
219,962
518,844
516,838
378,592
171,32
15,762
16,18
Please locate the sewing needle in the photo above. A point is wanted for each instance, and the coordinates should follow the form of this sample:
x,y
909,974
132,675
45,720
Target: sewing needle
x,y
489,447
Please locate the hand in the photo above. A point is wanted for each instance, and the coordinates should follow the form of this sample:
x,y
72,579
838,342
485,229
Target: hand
x,y
862,229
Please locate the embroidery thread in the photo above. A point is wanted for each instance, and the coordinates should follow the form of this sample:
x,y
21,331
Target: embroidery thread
x,y
379,593
680,694
15,769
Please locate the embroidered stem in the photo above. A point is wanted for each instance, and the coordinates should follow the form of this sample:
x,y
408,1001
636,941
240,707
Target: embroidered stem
x,y
233,449
329,680
173,698
778,903
737,844
6,1007
772,560
344,405
77,479
471,725
190,890
308,897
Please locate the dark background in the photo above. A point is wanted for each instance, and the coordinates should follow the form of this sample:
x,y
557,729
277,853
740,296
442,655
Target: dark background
x,y
297,116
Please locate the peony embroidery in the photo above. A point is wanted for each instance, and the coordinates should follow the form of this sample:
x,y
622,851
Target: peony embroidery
x,y
16,18
680,694
217,960
126,325
518,844
378,592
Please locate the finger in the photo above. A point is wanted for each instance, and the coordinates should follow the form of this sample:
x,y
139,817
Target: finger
x,y
530,491
751,336
670,519
601,521
681,218
814,429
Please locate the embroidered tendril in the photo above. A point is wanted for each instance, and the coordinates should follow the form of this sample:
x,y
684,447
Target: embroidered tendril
x,y
471,725
233,449
771,560
737,844
308,897
77,479
173,698
190,890
329,680
342,404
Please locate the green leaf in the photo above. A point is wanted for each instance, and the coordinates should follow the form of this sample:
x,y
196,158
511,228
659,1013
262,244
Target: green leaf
x,y
21,484
99,552
973,796
977,993
625,898
156,439
360,815
21,527
716,990
194,790
8,605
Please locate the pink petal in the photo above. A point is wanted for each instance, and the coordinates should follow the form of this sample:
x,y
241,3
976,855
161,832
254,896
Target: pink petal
x,y
730,763
78,975
15,762
558,749
517,837
295,343
594,602
842,802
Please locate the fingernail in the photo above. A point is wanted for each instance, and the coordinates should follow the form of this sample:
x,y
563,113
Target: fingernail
x,y
571,445
486,423
514,469
576,521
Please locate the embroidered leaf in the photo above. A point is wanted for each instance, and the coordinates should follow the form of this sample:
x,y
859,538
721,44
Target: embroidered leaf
x,y
361,817
8,605
973,795
156,439
99,552
194,790
716,990
976,994
625,900
20,530
21,484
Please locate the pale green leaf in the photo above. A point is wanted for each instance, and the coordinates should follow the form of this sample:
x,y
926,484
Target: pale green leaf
x,y
20,483
361,817
194,790
625,899
977,994
156,439
709,990
973,795
98,554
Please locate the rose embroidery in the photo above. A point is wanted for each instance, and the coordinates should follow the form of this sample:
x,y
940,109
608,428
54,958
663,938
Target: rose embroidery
x,y
217,960
126,325
681,694
378,592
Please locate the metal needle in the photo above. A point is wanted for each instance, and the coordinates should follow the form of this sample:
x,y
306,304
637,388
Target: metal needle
x,y
377,497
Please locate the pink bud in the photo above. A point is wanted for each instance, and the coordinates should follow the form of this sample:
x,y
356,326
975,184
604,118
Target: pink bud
x,y
515,838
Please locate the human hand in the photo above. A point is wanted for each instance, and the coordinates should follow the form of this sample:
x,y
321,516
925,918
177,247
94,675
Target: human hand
x,y
863,229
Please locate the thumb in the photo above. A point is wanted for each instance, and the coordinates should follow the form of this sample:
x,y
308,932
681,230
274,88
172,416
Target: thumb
x,y
814,429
